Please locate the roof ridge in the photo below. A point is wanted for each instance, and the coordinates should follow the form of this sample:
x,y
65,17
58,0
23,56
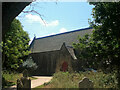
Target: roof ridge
x,y
64,33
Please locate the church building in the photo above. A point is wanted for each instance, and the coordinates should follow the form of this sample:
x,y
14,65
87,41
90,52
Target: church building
x,y
55,53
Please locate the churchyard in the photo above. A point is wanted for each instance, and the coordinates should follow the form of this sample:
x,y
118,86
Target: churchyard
x,y
71,80
97,46
10,78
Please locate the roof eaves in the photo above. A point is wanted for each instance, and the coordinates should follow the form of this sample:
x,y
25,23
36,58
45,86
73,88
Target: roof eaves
x,y
32,42
65,33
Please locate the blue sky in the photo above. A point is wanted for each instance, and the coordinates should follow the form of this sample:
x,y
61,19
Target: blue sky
x,y
58,18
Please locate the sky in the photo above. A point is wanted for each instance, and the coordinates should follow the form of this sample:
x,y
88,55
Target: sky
x,y
55,18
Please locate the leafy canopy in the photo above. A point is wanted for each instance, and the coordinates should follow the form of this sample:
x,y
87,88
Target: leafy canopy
x,y
104,43
107,30
15,46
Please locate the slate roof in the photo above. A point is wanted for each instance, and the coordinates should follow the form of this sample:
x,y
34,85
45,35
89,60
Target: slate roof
x,y
54,42
71,51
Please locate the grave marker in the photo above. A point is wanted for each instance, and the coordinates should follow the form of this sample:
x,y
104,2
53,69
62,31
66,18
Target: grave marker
x,y
24,82
85,83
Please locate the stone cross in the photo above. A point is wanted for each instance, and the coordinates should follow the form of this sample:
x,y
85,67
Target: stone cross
x,y
24,82
85,83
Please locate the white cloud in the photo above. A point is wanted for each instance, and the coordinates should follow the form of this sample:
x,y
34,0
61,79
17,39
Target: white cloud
x,y
53,23
63,30
35,18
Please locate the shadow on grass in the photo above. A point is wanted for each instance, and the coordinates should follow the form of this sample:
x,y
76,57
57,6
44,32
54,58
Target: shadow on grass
x,y
6,84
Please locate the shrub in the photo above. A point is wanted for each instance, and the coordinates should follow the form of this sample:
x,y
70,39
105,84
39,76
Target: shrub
x,y
70,80
30,65
9,78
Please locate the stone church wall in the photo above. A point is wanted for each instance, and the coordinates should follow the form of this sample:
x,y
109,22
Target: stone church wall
x,y
50,62
46,62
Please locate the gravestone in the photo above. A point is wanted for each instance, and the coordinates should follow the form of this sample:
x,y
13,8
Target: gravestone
x,y
86,83
24,82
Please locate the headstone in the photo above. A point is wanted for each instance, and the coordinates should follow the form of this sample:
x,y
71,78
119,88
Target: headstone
x,y
24,82
19,84
85,83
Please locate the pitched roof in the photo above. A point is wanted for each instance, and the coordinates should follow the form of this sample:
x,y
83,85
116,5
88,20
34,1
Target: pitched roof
x,y
54,42
71,51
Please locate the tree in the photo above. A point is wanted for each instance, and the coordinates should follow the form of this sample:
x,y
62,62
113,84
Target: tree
x,y
104,43
87,52
107,33
82,51
30,65
15,46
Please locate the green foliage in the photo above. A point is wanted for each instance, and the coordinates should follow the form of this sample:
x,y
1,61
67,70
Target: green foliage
x,y
29,64
107,34
83,50
15,46
10,78
104,43
70,80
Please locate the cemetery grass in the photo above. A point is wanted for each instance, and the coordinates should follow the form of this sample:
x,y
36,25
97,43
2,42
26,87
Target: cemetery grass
x,y
10,78
70,80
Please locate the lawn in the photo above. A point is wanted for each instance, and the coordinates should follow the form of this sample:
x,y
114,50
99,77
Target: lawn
x,y
70,80
11,78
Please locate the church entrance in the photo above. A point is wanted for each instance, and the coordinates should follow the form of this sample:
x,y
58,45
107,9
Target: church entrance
x,y
64,66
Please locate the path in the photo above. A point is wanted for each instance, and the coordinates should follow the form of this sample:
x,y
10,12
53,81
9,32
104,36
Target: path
x,y
37,82
40,81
